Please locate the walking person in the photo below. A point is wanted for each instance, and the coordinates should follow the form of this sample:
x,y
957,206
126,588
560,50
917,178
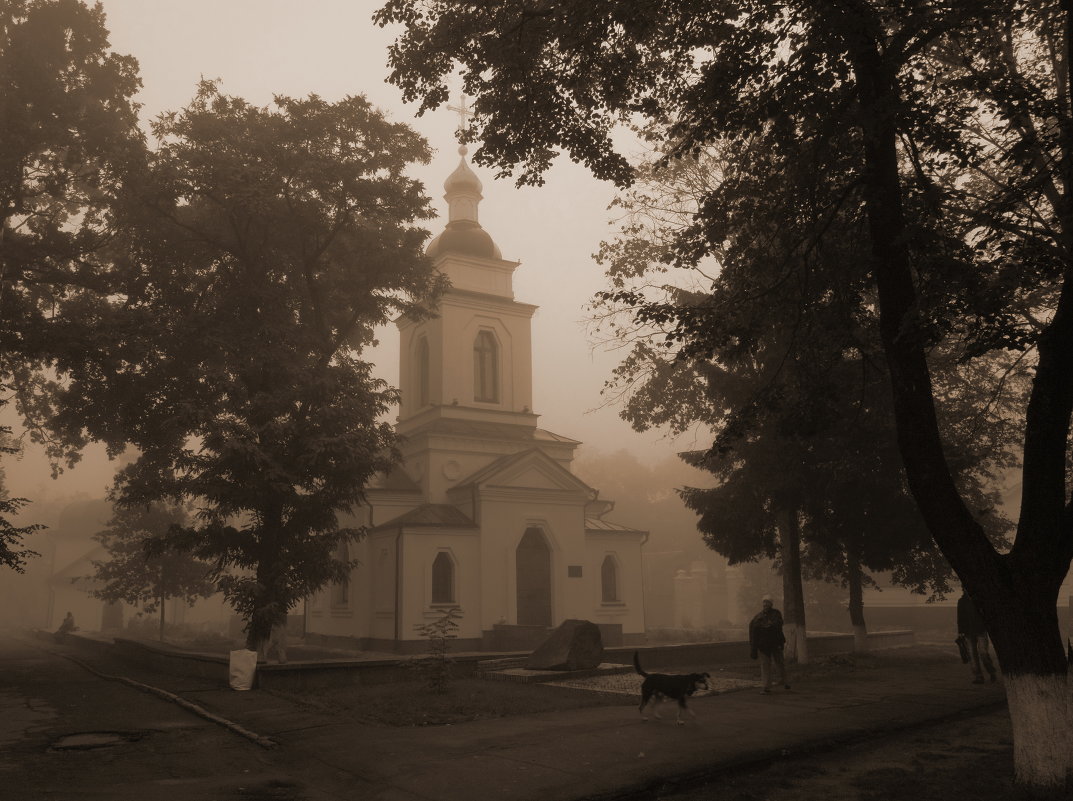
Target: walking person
x,y
971,627
766,641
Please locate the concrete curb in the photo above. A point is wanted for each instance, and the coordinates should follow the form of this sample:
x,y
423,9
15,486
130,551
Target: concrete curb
x,y
260,740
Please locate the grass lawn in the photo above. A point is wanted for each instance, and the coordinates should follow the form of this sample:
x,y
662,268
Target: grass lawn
x,y
411,703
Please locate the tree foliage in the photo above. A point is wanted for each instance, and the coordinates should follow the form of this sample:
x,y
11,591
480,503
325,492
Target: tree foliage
x,y
960,140
13,551
262,248
68,141
140,575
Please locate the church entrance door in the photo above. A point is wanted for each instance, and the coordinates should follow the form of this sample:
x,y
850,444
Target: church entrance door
x,y
533,564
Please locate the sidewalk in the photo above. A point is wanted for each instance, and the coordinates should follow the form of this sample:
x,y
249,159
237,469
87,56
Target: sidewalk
x,y
593,753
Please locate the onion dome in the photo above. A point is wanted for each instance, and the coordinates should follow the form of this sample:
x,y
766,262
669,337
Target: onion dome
x,y
463,234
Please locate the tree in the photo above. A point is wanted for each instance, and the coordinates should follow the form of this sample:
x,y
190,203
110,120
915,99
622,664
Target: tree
x,y
68,139
13,553
548,75
786,373
262,247
133,575
67,128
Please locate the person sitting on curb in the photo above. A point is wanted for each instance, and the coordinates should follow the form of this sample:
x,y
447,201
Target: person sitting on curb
x,y
971,626
66,627
766,640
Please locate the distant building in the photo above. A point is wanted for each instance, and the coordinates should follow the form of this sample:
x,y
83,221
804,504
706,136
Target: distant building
x,y
61,580
484,513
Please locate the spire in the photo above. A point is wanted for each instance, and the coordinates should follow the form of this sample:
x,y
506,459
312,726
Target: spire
x,y
462,191
463,234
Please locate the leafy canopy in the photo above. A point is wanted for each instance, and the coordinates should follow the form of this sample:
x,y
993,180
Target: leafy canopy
x,y
263,247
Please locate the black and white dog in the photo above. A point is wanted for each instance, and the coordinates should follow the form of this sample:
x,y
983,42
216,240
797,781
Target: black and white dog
x,y
676,687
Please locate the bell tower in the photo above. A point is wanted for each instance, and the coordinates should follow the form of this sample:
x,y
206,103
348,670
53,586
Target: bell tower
x,y
473,362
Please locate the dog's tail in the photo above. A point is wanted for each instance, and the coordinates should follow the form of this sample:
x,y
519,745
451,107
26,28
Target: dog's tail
x,y
637,664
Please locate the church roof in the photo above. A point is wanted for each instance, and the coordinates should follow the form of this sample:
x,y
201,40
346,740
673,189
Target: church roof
x,y
595,524
464,237
80,568
433,515
484,430
463,234
397,480
543,433
463,179
548,465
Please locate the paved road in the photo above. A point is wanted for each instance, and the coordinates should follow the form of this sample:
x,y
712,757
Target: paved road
x,y
51,709
325,754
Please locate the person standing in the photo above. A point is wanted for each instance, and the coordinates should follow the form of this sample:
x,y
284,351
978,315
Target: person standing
x,y
766,641
971,626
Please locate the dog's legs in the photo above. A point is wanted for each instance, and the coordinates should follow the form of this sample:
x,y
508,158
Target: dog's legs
x,y
645,698
682,705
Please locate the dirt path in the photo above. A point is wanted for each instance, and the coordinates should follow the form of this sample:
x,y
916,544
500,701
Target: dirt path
x,y
970,758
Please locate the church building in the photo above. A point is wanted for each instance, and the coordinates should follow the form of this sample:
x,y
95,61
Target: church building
x,y
484,513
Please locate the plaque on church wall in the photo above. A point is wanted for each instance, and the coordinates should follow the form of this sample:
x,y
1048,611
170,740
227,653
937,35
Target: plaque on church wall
x,y
452,470
573,571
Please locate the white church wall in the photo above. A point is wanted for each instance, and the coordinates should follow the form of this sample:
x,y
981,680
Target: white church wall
x,y
419,549
409,366
480,275
448,467
332,613
628,609
503,524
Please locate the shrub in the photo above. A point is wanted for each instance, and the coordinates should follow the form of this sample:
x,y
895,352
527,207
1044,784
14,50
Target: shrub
x,y
435,667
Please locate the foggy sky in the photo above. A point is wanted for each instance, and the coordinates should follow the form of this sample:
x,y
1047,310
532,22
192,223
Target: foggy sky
x,y
258,48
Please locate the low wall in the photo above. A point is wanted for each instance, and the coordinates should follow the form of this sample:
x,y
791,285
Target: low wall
x,y
170,660
705,653
297,676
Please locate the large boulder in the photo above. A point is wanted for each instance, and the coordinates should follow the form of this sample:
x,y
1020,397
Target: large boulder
x,y
575,645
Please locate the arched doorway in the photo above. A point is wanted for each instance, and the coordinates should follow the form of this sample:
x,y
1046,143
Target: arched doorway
x,y
533,565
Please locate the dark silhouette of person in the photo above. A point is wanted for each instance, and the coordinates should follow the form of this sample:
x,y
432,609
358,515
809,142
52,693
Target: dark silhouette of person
x,y
766,641
971,625
66,627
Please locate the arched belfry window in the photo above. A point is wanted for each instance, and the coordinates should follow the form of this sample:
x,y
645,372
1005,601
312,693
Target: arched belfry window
x,y
422,372
443,579
486,368
609,580
341,590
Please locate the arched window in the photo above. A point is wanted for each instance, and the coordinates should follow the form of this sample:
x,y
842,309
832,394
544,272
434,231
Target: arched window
x,y
609,580
443,579
341,590
486,368
422,372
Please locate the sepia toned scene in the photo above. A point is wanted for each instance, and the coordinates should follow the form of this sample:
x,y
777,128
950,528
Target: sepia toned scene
x,y
536,400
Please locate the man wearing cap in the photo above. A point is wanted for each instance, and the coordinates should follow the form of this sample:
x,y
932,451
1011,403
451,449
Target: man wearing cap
x,y
766,641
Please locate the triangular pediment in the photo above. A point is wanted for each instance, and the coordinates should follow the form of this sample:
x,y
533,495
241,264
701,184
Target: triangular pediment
x,y
531,469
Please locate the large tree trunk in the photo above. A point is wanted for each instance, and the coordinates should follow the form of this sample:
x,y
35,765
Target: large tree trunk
x,y
160,600
793,595
269,606
856,597
1017,593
